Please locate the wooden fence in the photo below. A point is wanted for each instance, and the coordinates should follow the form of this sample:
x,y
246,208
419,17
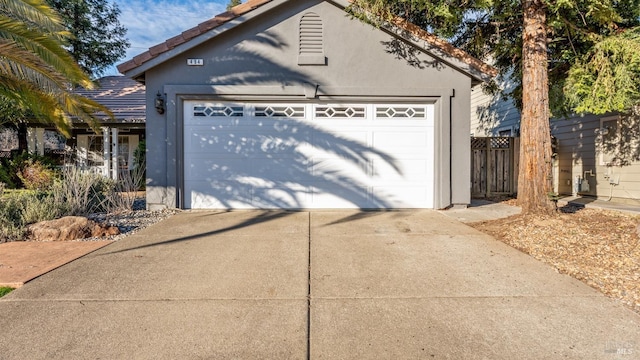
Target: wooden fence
x,y
494,166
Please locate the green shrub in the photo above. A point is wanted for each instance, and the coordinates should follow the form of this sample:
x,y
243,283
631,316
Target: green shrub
x,y
5,290
45,208
19,209
35,175
11,225
11,206
11,168
5,174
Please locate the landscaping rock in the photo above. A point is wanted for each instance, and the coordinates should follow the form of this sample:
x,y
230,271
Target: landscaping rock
x,y
68,228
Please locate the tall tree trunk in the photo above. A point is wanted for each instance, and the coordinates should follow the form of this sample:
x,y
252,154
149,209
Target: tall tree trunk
x,y
534,178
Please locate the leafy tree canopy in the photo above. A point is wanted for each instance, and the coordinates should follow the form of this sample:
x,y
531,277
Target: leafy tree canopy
x,y
593,45
98,37
233,3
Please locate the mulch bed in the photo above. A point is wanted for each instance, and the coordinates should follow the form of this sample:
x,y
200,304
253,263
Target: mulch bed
x,y
599,247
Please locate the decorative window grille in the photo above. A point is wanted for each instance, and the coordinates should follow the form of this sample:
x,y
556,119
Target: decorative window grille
x,y
343,112
8,139
280,111
218,111
311,47
54,140
404,112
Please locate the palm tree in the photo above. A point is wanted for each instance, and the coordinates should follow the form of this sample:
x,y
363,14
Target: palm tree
x,y
36,73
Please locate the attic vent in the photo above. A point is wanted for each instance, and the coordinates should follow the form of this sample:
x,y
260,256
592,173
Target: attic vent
x,y
311,51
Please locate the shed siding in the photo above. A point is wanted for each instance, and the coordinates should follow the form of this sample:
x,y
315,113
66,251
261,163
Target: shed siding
x,y
578,154
491,114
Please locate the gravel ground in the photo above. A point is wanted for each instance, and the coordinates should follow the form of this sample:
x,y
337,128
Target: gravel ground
x,y
130,222
599,247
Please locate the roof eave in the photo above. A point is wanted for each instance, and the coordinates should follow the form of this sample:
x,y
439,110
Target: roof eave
x,y
443,50
456,58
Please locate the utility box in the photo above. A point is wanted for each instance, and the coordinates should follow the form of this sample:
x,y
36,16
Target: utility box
x,y
580,185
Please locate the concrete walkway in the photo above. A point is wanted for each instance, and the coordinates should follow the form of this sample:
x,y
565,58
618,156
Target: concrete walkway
x,y
591,203
482,210
23,261
319,285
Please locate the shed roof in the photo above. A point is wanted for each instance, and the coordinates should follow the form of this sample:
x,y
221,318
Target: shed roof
x,y
123,96
480,69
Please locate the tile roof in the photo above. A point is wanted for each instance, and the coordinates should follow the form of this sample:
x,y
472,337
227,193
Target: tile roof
x,y
125,97
189,34
445,46
250,5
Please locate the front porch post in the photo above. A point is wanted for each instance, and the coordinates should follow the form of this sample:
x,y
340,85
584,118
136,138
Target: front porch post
x,y
114,153
31,141
40,141
106,151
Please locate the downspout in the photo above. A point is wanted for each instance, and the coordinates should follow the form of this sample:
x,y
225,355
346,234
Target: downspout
x,y
453,94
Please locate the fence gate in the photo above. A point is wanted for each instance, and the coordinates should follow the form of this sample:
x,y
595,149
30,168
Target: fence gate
x,y
493,166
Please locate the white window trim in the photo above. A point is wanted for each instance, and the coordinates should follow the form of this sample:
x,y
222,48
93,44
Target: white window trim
x,y
511,130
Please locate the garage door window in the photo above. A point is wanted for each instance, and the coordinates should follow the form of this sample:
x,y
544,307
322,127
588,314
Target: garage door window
x,y
218,111
280,111
402,112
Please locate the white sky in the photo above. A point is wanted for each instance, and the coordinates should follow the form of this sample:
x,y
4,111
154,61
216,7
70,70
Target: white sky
x,y
150,22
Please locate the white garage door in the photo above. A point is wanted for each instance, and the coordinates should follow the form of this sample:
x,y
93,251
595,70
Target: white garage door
x,y
308,156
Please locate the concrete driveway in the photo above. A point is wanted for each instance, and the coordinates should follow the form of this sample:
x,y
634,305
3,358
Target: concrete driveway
x,y
319,285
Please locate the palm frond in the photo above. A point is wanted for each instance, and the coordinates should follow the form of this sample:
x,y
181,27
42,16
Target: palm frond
x,y
36,72
49,49
26,64
43,105
35,12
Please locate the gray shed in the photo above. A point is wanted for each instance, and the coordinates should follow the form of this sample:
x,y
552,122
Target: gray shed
x,y
293,104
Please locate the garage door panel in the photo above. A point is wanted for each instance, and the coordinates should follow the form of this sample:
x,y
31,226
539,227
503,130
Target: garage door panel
x,y
270,161
332,169
203,168
246,195
409,140
339,197
208,140
404,196
207,169
283,168
218,194
246,141
345,140
406,170
284,195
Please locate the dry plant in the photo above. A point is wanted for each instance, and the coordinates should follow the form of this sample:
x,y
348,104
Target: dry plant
x,y
122,194
81,192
